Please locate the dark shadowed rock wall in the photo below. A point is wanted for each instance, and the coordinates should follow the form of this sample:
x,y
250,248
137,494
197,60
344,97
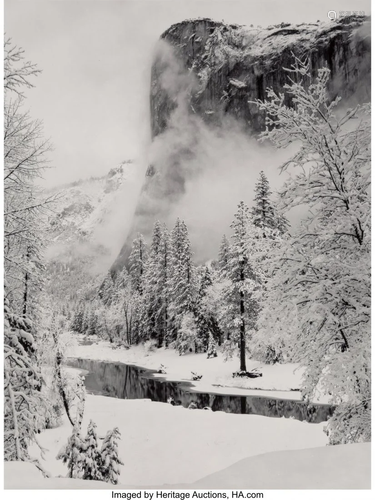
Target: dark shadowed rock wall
x,y
205,73
235,64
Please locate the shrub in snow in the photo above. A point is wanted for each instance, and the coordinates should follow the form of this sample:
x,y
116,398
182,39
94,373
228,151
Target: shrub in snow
x,y
350,423
267,353
162,369
195,376
53,413
110,461
119,343
151,345
211,351
229,349
86,461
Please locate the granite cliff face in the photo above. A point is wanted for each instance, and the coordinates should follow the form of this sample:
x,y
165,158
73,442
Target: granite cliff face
x,y
203,76
234,64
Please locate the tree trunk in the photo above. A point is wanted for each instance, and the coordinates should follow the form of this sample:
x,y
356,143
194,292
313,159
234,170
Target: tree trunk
x,y
25,295
16,433
26,289
166,324
242,328
242,334
61,387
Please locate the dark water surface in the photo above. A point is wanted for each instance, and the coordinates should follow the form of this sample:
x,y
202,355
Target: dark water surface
x,y
118,380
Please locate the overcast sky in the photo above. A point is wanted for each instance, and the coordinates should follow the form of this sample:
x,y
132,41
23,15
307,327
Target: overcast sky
x,y
96,56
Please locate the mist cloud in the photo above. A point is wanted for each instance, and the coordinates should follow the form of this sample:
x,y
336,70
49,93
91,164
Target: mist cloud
x,y
202,171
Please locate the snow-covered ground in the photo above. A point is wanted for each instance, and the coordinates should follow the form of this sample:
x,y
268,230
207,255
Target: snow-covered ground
x,y
279,380
162,443
330,467
165,446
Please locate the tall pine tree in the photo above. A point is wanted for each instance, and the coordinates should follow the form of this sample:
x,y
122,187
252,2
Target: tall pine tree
x,y
242,307
137,263
263,213
223,253
181,280
156,290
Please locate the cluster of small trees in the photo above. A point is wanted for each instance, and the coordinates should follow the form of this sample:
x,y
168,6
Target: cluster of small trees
x,y
84,458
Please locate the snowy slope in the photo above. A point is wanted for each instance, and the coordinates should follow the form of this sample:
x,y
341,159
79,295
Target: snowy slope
x,y
161,443
87,226
329,467
82,206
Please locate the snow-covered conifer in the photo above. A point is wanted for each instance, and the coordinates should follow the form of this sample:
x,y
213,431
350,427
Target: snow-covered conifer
x,y
137,263
263,213
211,350
205,321
156,289
77,321
241,307
186,335
92,321
110,460
107,291
72,454
181,282
223,253
91,460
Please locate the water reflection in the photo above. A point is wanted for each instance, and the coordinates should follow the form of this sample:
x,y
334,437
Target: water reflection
x,y
123,381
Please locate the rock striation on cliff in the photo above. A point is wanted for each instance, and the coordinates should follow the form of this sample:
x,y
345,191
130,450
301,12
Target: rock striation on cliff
x,y
233,65
205,75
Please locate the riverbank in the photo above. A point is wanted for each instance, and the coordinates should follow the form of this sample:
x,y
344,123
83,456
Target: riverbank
x,y
279,380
